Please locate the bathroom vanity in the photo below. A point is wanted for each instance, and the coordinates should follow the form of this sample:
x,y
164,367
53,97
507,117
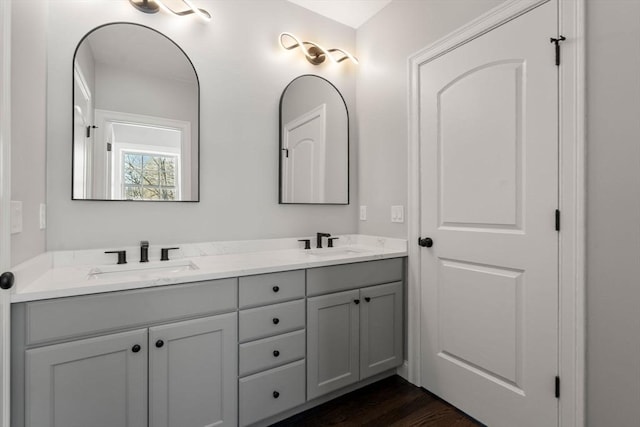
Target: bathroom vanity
x,y
246,349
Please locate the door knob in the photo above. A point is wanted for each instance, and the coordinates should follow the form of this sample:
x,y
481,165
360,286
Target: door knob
x,y
425,242
136,348
159,343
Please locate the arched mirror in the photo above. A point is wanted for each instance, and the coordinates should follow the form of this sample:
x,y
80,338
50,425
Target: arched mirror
x,y
135,117
314,143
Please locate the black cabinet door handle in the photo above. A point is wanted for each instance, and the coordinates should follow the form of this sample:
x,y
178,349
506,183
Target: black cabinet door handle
x,y
276,288
136,348
276,394
357,301
367,299
276,353
276,320
159,343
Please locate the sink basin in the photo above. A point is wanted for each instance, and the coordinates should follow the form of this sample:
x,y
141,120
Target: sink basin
x,y
336,251
151,269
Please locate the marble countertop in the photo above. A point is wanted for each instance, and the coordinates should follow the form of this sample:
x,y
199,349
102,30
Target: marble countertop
x,y
69,273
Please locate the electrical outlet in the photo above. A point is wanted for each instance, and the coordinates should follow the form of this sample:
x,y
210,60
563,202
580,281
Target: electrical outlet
x,y
43,216
16,217
363,213
397,213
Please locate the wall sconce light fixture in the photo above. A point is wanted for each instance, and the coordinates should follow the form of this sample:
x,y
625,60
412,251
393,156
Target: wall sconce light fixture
x,y
153,6
315,53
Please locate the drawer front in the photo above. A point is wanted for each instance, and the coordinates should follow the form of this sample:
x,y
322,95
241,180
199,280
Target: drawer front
x,y
271,320
72,317
324,280
270,288
271,392
270,352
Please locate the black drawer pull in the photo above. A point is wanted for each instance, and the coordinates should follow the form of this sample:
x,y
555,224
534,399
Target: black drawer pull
x,y
159,343
276,288
276,394
357,301
276,353
367,299
136,348
276,320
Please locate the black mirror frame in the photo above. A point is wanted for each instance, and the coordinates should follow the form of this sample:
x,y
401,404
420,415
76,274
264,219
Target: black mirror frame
x,y
346,109
195,72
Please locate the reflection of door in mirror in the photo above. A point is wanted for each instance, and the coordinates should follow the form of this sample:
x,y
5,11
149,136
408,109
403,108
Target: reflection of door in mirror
x,y
304,151
82,144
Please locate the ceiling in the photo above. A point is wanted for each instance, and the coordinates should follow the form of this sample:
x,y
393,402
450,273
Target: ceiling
x,y
349,12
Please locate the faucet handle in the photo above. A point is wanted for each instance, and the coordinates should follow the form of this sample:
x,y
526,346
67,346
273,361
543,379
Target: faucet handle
x,y
331,239
307,243
122,256
164,253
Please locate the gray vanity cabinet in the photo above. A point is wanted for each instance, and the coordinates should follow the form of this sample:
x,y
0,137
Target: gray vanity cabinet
x,y
154,357
353,335
98,382
192,373
333,327
380,328
272,348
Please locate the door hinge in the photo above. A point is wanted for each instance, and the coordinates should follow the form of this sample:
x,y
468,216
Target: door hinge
x,y
557,387
108,146
557,219
556,42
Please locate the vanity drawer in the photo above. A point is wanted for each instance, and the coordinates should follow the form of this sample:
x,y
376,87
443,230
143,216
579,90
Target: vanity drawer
x,y
269,352
323,280
270,288
271,392
271,320
65,318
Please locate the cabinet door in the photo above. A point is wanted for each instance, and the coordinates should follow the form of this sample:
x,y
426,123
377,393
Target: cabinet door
x,y
97,382
332,342
380,328
193,368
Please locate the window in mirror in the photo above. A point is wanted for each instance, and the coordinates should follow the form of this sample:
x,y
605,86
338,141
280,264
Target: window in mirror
x,y
135,117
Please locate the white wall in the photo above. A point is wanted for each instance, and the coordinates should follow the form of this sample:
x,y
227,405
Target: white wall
x,y
28,121
613,213
384,45
242,72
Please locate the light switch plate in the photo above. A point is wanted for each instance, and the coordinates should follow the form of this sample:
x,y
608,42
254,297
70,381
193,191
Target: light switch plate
x,y
43,216
397,213
16,217
363,213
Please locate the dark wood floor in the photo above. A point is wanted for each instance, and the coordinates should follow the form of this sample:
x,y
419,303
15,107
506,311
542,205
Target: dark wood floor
x,y
390,402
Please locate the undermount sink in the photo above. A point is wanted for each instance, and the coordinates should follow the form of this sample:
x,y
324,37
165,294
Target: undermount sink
x,y
336,251
142,269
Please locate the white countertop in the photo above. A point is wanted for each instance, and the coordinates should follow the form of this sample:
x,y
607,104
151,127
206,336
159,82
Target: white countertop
x,y
67,273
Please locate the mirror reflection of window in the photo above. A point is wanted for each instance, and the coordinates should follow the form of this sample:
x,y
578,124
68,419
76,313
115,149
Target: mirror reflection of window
x,y
146,161
135,92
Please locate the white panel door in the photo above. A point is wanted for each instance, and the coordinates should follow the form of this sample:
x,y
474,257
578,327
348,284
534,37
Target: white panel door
x,y
304,151
489,191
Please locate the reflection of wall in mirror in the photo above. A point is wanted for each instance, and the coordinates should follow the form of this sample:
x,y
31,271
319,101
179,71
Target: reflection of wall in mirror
x,y
83,108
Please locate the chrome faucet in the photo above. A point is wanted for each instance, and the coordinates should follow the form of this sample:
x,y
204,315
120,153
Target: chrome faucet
x,y
319,237
144,251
